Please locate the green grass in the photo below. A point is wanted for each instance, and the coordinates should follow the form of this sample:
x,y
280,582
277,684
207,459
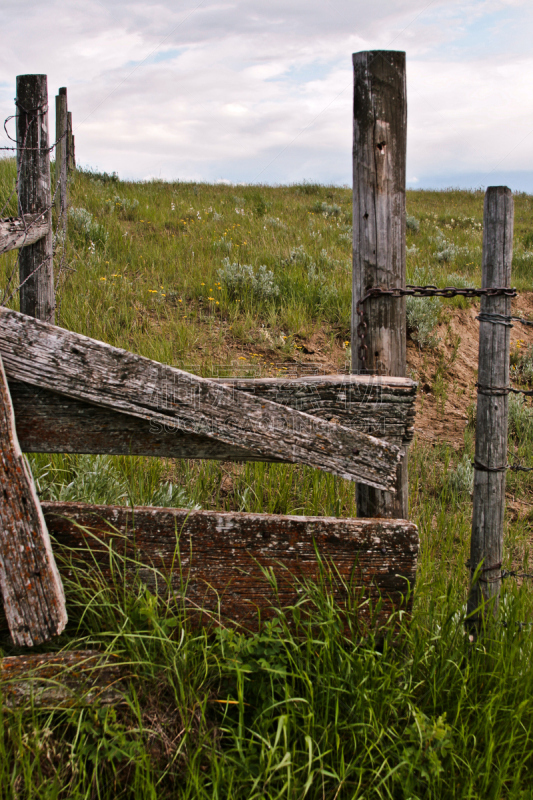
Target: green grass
x,y
306,707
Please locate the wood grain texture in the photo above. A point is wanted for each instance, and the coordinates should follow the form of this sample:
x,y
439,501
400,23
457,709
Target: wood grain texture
x,y
48,422
52,680
379,159
32,591
71,161
221,558
53,358
61,156
18,232
491,419
36,272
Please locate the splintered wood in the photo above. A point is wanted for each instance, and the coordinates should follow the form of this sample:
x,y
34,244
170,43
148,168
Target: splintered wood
x,y
52,358
21,231
52,680
48,422
220,561
34,602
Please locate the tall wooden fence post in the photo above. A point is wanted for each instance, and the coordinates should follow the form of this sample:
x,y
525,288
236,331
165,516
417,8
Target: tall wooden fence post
x,y
379,156
33,163
486,549
62,155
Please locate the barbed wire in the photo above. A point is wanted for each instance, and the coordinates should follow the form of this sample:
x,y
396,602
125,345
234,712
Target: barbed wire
x,y
33,115
59,236
516,467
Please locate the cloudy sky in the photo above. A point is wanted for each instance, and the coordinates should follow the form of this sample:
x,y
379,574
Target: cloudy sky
x,y
260,91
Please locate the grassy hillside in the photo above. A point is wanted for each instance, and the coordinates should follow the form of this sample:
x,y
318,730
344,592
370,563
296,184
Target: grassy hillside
x,y
253,280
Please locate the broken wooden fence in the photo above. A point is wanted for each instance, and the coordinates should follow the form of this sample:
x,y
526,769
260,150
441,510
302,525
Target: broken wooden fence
x,y
68,393
69,378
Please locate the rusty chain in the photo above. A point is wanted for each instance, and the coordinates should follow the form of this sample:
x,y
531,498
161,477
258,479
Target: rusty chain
x,y
417,291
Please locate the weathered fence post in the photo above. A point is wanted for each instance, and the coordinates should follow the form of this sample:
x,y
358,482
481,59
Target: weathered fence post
x,y
34,197
486,549
379,156
62,155
71,161
32,592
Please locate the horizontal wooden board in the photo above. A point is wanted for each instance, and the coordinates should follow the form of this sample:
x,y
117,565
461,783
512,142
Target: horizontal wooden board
x,y
74,678
48,422
18,232
222,557
52,358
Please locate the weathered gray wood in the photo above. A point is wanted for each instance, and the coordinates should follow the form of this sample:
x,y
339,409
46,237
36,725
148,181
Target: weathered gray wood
x,y
222,557
379,157
52,358
61,156
71,161
52,680
21,231
486,548
36,270
32,591
48,422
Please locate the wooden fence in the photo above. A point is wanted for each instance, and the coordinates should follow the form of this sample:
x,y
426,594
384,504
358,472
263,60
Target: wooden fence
x,y
63,392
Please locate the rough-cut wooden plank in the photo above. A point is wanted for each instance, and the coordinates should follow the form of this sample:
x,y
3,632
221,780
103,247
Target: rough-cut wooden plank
x,y
222,556
379,159
48,422
486,547
78,677
32,591
47,356
20,231
36,269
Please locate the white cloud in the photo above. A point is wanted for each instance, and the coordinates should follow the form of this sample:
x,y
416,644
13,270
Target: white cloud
x,y
258,91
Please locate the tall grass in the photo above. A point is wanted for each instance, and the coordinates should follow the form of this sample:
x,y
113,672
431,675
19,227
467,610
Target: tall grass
x,y
306,707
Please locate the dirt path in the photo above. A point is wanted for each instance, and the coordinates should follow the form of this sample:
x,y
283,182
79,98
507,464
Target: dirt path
x,y
447,375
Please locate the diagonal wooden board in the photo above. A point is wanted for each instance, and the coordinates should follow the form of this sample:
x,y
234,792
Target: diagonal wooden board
x,y
31,587
48,422
44,355
223,557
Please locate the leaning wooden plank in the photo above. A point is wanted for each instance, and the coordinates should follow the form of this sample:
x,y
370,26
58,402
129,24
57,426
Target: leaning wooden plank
x,y
78,677
222,557
48,422
20,231
43,355
34,602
